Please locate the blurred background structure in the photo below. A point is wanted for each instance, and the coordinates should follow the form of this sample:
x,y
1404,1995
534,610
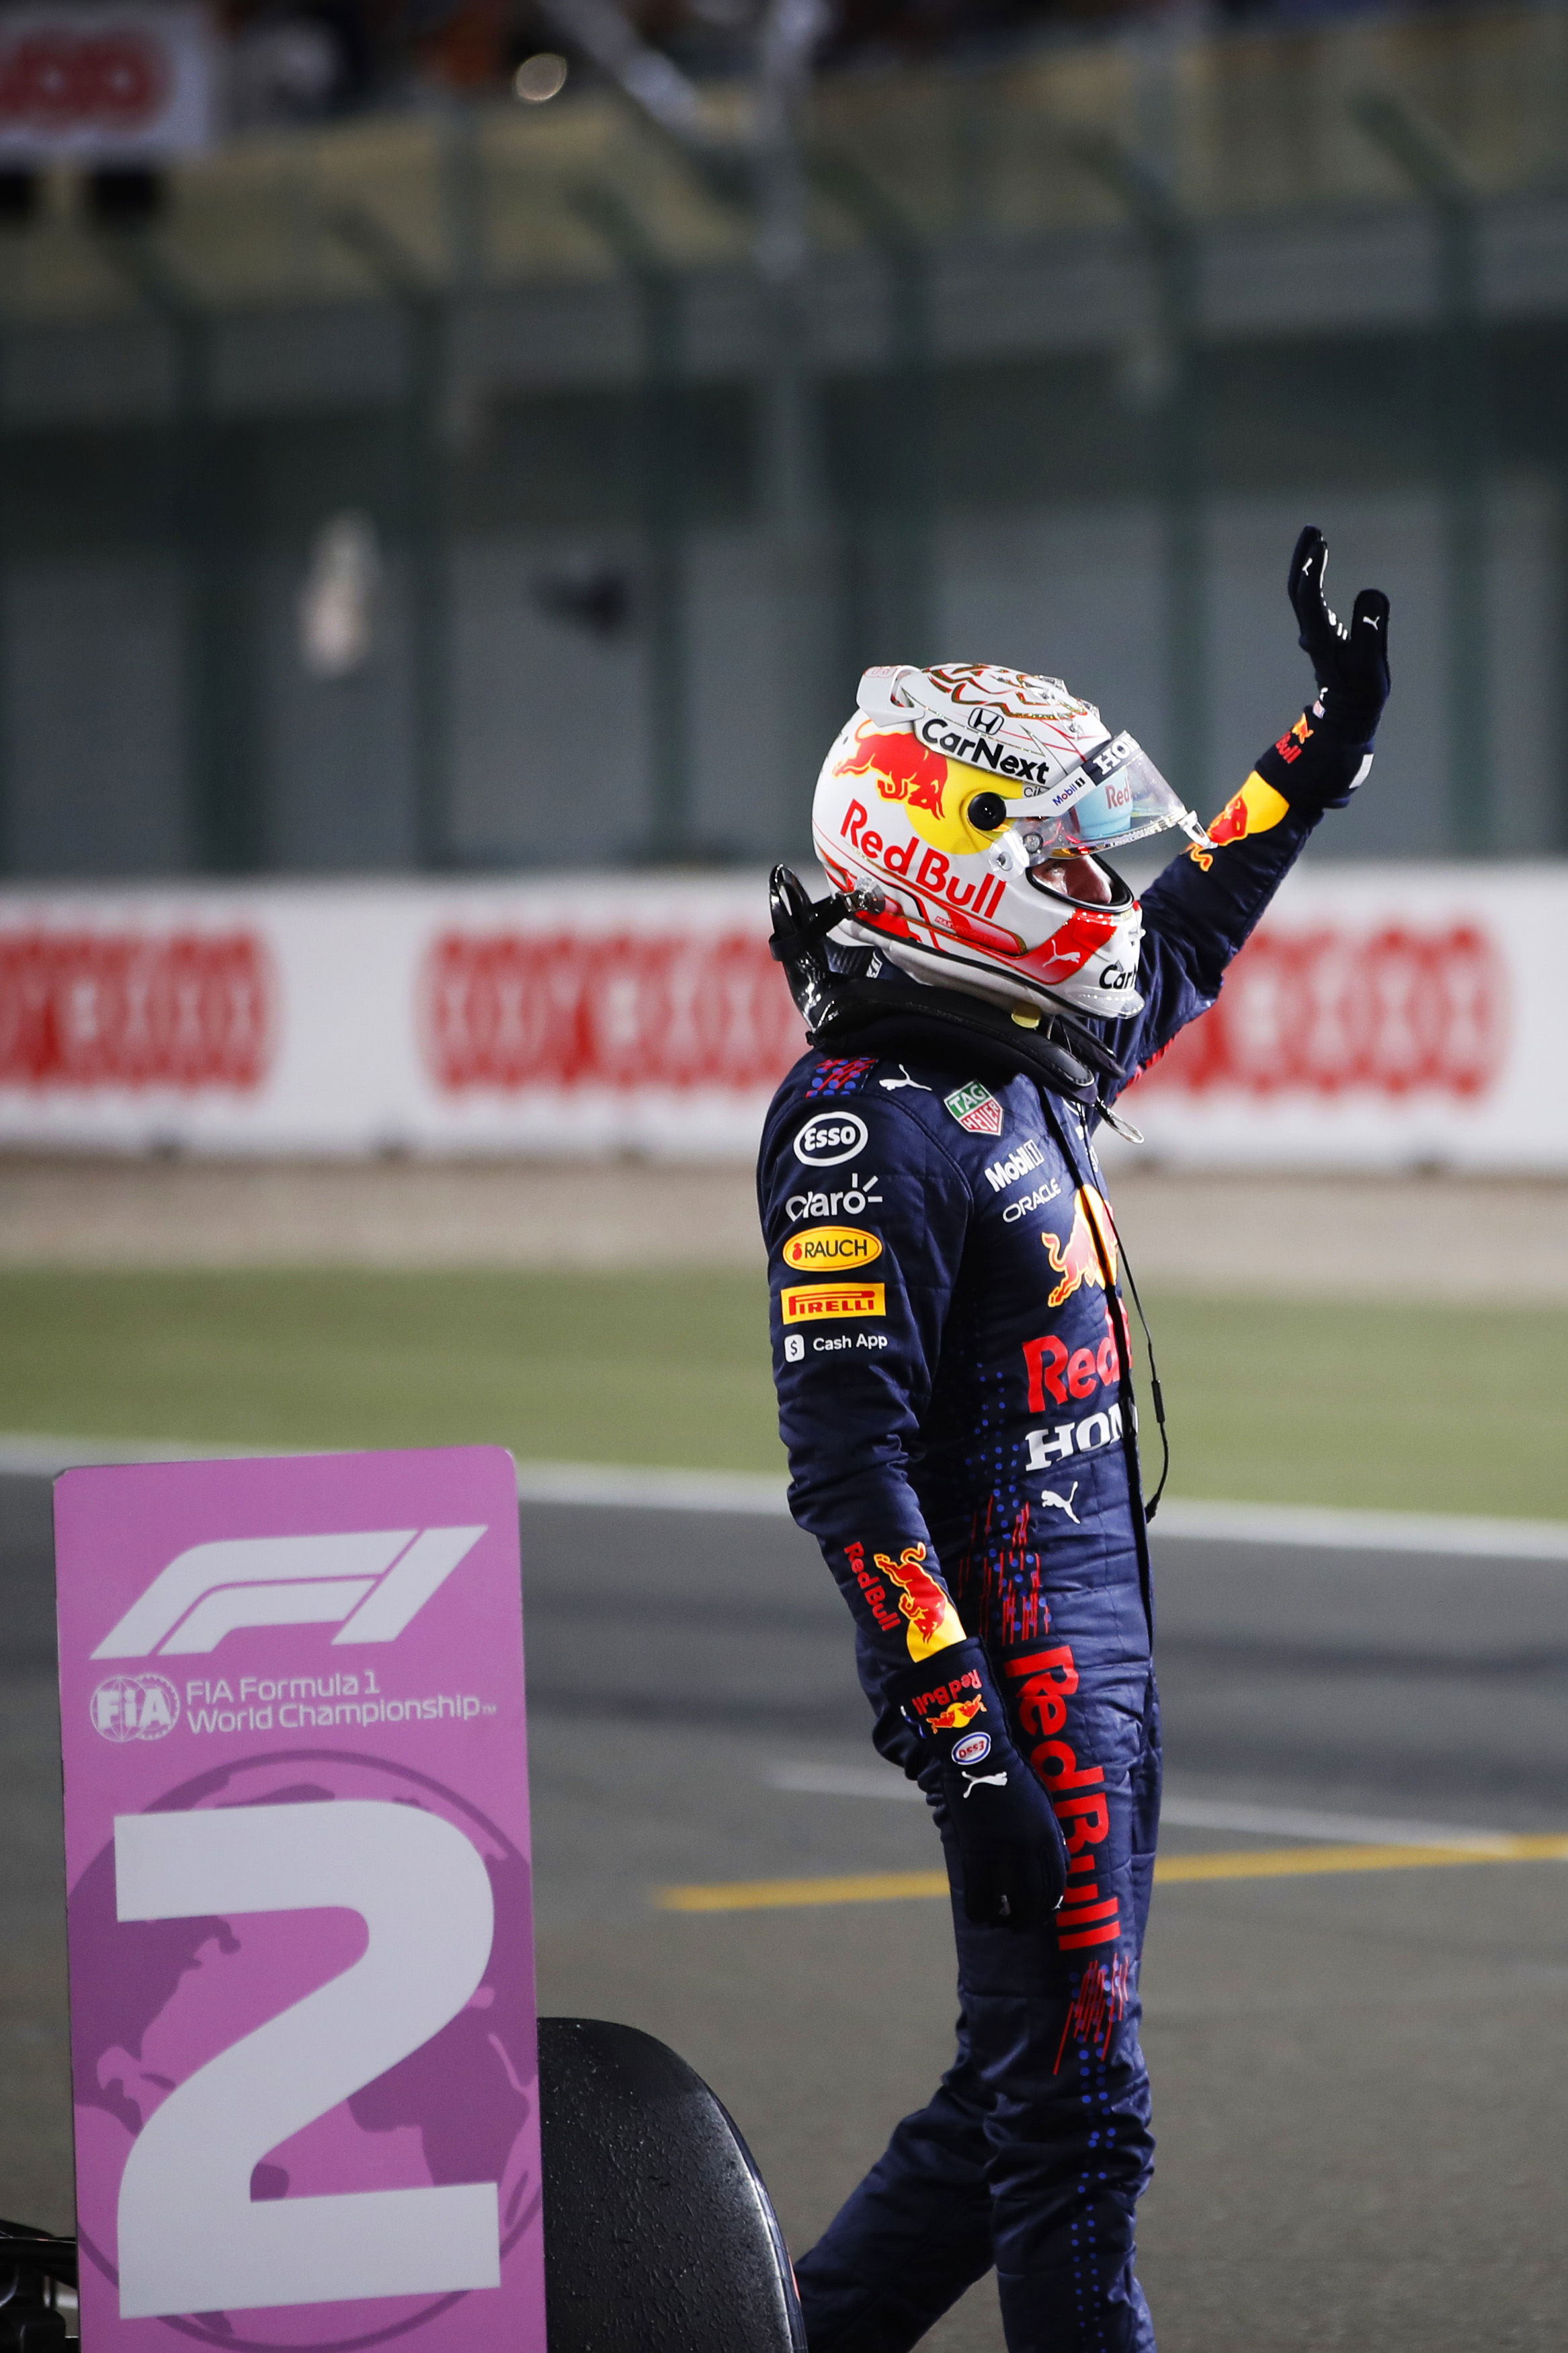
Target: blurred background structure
x,y
456,456
506,442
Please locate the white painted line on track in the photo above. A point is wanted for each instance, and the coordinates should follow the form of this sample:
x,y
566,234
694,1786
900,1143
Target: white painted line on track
x,y
844,1781
1286,1821
1341,1531
620,1486
1212,1523
632,1487
823,1780
45,1457
614,1485
626,1487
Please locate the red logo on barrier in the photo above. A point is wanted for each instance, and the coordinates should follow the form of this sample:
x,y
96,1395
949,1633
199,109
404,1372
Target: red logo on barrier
x,y
1330,1012
67,81
90,1009
514,1009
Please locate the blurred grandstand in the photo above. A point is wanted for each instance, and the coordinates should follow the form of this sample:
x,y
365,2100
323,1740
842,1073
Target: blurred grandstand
x,y
506,446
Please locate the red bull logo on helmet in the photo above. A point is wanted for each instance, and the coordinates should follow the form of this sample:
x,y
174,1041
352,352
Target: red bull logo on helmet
x,y
1088,1253
903,769
933,1623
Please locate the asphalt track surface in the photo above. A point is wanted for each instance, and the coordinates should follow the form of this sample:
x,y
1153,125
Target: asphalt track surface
x,y
1360,2073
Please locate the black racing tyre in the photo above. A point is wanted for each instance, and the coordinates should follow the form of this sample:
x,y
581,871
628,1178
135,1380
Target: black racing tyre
x,y
658,2234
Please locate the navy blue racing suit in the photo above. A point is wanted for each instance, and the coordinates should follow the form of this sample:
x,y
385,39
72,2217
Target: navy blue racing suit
x,y
954,1392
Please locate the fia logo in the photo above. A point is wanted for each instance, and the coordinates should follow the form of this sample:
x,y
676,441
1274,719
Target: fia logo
x,y
135,1708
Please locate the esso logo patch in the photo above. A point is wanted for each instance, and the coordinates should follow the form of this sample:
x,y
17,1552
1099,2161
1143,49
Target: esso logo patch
x,y
972,1748
824,1143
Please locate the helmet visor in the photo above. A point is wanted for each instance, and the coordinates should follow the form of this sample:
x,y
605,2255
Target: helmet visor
x,y
1117,796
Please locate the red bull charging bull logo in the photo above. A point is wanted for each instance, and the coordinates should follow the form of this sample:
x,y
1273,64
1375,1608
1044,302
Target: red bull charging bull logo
x,y
958,1718
950,1706
1088,1253
933,1623
1254,809
905,771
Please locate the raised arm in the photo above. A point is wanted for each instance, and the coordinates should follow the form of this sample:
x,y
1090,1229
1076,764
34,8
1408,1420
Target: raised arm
x,y
1199,914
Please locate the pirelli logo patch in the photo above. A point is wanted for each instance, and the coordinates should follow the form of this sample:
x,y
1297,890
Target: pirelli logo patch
x,y
814,1302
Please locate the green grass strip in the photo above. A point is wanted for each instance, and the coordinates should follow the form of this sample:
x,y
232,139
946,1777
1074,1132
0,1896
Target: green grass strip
x,y
1405,1407
1384,1405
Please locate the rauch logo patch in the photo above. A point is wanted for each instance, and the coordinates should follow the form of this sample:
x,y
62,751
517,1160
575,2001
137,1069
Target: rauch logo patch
x,y
832,1250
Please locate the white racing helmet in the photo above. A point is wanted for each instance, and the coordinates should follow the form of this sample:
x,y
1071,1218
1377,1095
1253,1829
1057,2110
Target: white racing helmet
x,y
953,793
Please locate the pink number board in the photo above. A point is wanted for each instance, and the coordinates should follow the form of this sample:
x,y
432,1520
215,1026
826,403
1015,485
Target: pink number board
x,y
303,2035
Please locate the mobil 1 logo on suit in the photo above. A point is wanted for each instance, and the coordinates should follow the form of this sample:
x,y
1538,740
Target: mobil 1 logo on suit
x,y
297,1846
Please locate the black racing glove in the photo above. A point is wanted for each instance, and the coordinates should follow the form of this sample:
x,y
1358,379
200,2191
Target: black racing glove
x,y
1321,760
1011,1855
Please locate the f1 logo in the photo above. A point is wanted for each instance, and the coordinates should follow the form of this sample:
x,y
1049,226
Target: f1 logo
x,y
368,1584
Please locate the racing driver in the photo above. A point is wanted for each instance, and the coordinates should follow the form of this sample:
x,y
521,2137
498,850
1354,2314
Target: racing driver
x,y
954,1383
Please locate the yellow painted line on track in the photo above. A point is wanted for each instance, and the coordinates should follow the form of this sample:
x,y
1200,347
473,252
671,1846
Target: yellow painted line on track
x,y
1236,1862
1303,1862
761,1894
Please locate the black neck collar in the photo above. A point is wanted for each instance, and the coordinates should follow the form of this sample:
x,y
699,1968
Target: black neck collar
x,y
893,1014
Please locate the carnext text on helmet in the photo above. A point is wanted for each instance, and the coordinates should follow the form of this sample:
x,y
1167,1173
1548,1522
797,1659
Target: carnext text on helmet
x,y
972,749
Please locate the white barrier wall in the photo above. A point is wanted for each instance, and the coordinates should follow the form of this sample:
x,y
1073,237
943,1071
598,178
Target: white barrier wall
x,y
1383,1015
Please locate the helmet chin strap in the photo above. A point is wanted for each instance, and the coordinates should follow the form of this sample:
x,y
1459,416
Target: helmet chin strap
x,y
1061,1051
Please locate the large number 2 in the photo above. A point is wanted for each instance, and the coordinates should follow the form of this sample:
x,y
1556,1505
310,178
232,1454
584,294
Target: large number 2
x,y
191,2238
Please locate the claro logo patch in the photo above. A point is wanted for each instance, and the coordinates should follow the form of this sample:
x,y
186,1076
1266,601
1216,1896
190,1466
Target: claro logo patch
x,y
369,1585
814,1302
832,1250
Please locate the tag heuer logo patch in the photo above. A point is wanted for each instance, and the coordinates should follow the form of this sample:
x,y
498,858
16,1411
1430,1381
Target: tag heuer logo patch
x,y
976,1108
